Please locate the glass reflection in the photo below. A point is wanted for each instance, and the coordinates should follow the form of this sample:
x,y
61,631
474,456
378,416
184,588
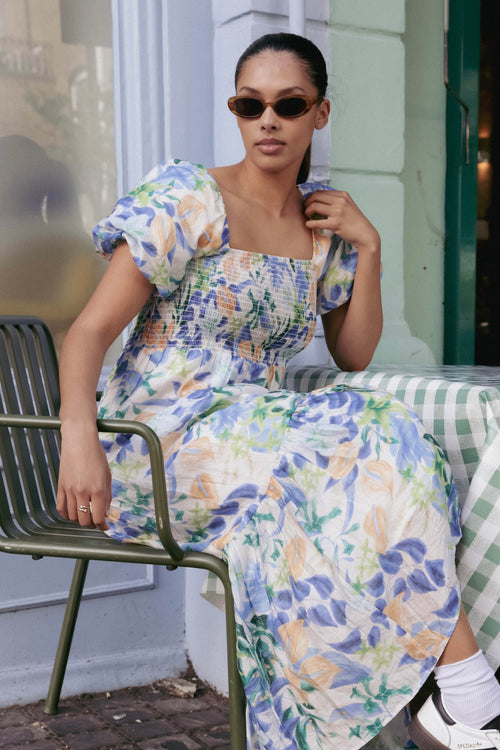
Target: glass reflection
x,y
57,163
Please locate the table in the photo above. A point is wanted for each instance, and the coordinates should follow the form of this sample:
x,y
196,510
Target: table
x,y
460,407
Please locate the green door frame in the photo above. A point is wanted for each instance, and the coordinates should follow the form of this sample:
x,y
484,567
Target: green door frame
x,y
462,83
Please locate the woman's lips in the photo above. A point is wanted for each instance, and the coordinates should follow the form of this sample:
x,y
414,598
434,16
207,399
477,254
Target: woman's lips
x,y
270,145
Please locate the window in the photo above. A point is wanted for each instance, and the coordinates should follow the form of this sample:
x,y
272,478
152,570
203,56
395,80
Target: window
x,y
57,162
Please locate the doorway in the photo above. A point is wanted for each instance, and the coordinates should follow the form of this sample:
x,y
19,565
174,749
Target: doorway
x,y
487,344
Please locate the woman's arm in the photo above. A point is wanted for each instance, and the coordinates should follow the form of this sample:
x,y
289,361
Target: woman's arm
x,y
353,330
84,473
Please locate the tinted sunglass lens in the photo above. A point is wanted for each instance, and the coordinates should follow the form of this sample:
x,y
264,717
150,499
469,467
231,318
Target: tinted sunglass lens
x,y
292,106
287,106
248,107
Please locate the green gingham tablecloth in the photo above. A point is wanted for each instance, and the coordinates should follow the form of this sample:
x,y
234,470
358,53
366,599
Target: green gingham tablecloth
x,y
460,407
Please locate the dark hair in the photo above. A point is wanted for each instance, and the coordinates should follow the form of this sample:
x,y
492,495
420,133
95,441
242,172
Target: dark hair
x,y
307,53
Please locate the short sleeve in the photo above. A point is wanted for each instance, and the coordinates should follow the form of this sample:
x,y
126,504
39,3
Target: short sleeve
x,y
337,262
175,212
337,277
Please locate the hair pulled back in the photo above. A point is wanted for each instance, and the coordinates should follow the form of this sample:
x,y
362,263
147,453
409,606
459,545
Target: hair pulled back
x,y
307,52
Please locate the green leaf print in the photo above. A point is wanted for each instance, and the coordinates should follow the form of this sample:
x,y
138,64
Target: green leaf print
x,y
381,655
308,477
199,183
200,518
408,474
314,523
143,193
318,546
127,471
150,525
357,586
300,736
368,560
374,701
161,274
251,539
422,495
143,499
278,550
374,728
378,409
282,579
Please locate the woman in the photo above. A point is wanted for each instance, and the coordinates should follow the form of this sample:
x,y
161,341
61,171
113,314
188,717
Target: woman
x,y
336,514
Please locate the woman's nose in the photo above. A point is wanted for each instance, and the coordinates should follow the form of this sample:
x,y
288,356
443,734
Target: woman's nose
x,y
269,118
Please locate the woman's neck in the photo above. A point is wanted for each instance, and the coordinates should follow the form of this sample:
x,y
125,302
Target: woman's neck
x,y
275,191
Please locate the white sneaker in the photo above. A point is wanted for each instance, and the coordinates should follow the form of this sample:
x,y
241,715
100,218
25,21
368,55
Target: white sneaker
x,y
433,729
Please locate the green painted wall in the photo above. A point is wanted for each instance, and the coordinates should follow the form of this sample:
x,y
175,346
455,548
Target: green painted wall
x,y
387,136
423,175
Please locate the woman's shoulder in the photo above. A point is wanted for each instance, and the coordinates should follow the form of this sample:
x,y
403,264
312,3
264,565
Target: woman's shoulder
x,y
179,188
175,175
175,198
306,188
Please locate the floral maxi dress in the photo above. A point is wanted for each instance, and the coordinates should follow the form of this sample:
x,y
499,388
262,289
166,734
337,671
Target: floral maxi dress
x,y
336,514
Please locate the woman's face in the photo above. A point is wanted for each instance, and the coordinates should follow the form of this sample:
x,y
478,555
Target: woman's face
x,y
276,143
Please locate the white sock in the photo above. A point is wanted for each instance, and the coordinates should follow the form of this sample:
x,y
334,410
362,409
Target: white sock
x,y
470,690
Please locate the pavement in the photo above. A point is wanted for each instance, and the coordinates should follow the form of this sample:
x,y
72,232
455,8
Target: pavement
x,y
137,718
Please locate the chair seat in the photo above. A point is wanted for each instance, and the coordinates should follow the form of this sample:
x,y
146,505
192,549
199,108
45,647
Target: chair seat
x,y
92,544
59,541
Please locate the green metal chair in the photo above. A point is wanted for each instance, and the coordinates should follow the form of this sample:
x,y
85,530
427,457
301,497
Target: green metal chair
x,y
29,522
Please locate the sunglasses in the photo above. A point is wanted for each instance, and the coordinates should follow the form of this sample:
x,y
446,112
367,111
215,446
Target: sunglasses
x,y
284,106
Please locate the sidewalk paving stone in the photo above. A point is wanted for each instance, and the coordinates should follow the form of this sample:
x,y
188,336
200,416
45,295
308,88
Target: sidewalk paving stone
x,y
172,742
142,718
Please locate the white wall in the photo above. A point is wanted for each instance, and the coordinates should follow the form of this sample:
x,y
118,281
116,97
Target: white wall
x,y
130,629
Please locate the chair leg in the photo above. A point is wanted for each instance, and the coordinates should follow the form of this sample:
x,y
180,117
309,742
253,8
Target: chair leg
x,y
237,701
66,636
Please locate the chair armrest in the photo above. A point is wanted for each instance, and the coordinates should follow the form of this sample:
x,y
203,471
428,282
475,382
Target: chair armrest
x,y
155,455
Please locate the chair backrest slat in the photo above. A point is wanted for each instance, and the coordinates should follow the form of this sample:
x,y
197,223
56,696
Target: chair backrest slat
x,y
44,444
30,458
12,488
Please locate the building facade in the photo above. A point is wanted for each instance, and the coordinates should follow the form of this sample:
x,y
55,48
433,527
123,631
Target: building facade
x,y
108,90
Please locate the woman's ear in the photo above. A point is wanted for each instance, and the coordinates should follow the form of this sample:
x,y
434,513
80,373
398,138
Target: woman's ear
x,y
322,114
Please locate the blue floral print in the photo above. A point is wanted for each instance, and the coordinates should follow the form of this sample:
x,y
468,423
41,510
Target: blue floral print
x,y
335,512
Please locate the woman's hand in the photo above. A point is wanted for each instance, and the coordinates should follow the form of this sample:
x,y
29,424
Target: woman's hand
x,y
336,211
84,489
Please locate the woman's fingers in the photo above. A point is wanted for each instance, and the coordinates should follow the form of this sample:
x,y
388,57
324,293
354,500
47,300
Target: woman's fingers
x,y
335,210
61,502
328,204
84,513
89,509
84,487
98,510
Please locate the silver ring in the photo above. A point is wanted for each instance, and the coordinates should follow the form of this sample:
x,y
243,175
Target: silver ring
x,y
83,509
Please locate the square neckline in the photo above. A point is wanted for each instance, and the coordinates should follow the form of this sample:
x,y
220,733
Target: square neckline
x,y
257,252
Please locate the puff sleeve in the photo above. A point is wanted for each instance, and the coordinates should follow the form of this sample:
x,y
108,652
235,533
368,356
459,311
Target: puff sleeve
x,y
337,262
337,277
174,213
